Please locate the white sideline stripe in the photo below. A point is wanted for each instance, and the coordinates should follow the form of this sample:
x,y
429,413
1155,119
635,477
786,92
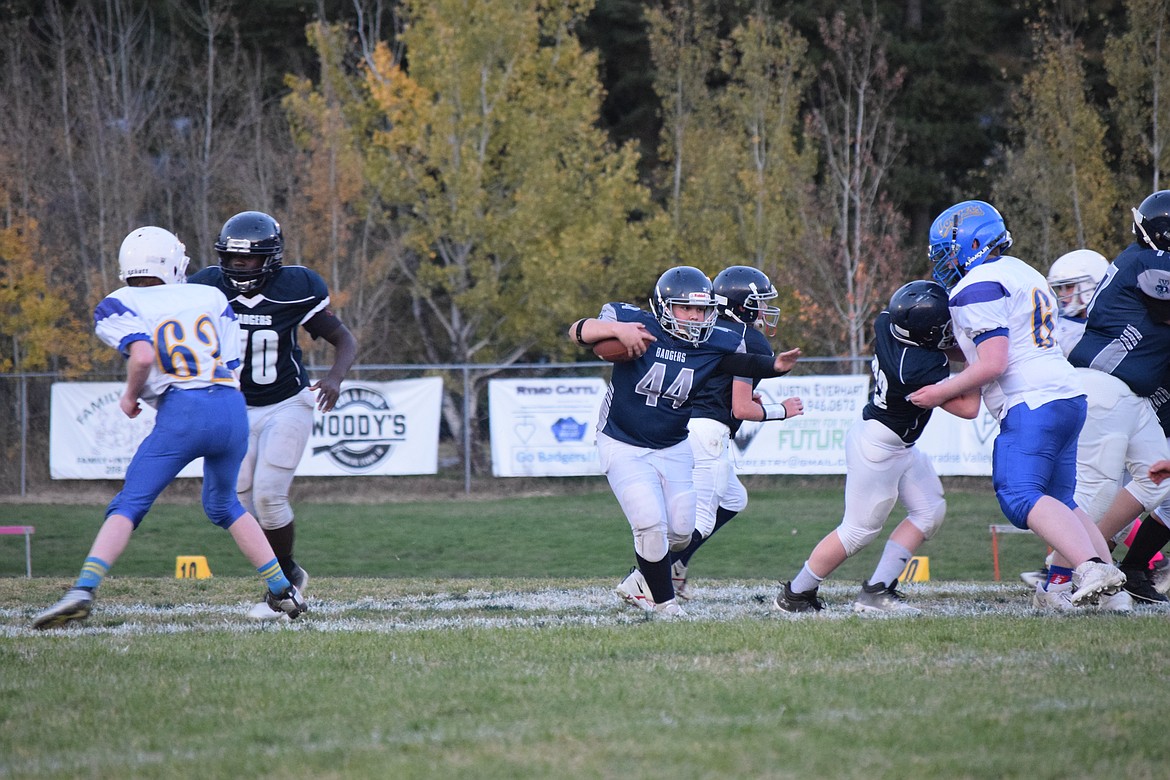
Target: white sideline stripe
x,y
591,606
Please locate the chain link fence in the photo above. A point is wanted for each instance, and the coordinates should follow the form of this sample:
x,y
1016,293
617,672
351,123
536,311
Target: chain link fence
x,y
464,444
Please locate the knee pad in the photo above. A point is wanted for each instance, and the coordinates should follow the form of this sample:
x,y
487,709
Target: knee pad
x,y
929,519
644,513
1145,491
854,538
680,520
269,496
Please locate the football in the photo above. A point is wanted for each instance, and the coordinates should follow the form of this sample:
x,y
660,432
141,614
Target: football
x,y
612,350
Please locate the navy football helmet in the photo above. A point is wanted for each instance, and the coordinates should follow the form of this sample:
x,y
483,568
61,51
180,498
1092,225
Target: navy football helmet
x,y
687,286
1151,221
253,234
920,315
963,237
740,292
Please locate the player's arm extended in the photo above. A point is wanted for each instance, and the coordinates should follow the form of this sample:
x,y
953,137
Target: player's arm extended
x,y
992,362
758,366
746,404
965,405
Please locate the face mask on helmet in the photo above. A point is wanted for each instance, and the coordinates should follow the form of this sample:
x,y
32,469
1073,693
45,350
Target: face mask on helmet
x,y
250,234
153,252
741,292
920,315
1074,277
687,286
1151,221
964,236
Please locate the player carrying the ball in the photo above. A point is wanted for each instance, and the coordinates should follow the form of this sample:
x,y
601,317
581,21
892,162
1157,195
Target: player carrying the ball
x,y
642,430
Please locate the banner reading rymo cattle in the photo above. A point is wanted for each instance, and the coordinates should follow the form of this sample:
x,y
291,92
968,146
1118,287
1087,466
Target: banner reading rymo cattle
x,y
376,428
545,427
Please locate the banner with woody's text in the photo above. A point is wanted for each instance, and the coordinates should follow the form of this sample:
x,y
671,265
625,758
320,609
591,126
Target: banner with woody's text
x,y
376,428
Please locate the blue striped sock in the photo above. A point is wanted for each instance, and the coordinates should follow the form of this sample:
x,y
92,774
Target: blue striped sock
x,y
92,573
273,577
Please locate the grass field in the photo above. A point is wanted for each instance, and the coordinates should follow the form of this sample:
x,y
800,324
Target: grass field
x,y
479,639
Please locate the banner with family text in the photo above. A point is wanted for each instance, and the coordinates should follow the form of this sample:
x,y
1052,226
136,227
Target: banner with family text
x,y
376,428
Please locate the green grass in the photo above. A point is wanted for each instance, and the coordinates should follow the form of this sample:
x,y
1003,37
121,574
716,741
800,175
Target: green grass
x,y
478,639
544,536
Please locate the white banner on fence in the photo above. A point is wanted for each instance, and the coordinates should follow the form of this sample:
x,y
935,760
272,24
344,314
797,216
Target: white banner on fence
x,y
545,427
814,443
90,438
377,428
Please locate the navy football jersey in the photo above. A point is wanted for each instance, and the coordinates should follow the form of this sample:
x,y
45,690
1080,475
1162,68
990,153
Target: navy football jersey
x,y
898,370
649,400
1121,338
713,401
272,368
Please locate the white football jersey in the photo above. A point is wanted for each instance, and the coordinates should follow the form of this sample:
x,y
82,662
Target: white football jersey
x,y
192,328
1008,297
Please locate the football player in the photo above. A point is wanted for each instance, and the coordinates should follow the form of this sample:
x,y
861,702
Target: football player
x,y
1074,277
1004,315
881,460
741,295
273,302
193,384
642,430
1122,362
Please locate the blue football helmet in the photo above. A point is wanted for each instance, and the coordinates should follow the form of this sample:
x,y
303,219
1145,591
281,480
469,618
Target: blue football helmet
x,y
686,286
964,236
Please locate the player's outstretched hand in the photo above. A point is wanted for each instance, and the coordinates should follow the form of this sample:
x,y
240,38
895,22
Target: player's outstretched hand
x,y
327,393
1159,470
793,407
928,397
786,360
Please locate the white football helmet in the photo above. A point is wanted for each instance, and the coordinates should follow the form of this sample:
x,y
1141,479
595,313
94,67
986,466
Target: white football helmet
x,y
1074,277
152,251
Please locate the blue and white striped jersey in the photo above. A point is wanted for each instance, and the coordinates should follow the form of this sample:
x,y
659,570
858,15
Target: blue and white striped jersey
x,y
1005,296
193,330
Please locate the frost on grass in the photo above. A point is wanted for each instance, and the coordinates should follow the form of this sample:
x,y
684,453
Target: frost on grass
x,y
536,608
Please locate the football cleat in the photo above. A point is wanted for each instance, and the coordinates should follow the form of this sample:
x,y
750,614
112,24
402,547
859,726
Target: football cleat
x,y
634,591
1057,598
74,606
288,602
1139,585
880,598
1034,578
1093,579
678,575
261,611
1120,601
669,609
788,600
1160,576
